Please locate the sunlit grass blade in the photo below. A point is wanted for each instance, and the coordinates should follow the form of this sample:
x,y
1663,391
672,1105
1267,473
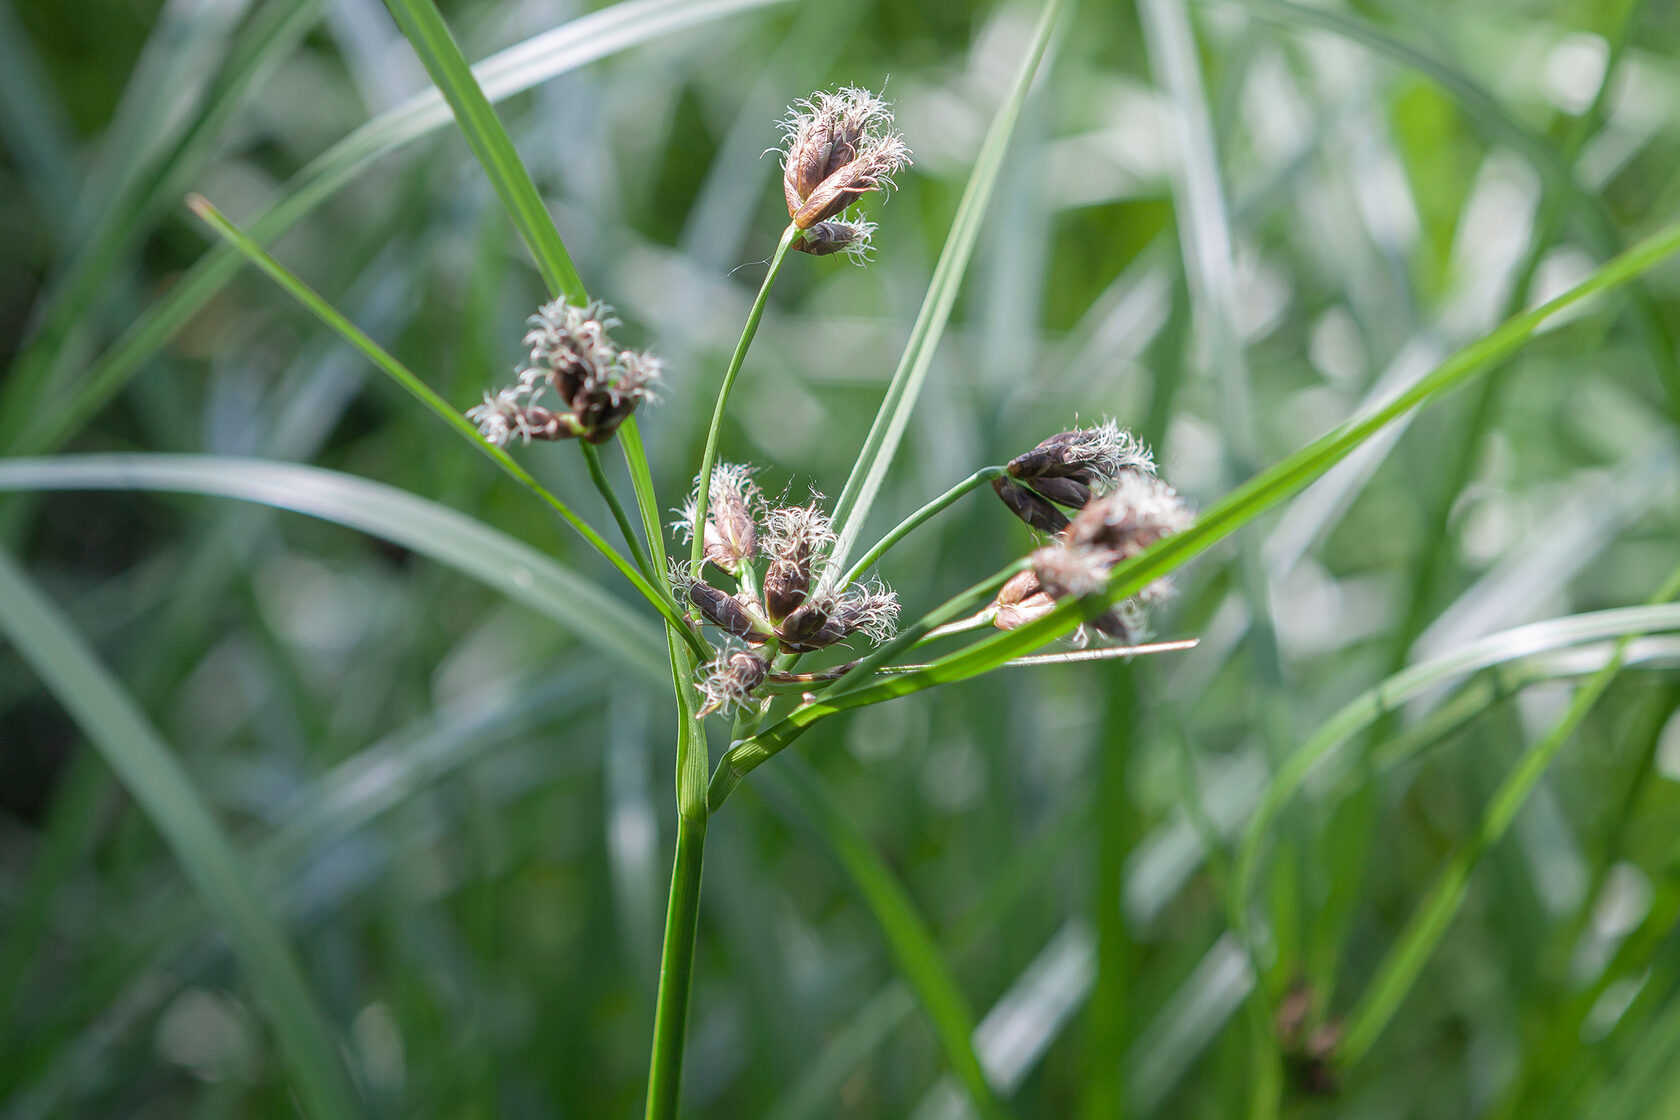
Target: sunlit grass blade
x,y
858,497
1405,961
504,74
124,737
454,539
418,389
441,55
914,953
1219,521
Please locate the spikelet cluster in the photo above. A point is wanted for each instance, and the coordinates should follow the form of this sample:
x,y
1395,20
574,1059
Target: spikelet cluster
x,y
576,383
1109,477
796,605
837,147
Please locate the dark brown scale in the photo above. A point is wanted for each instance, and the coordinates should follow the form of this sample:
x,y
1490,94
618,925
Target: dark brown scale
x,y
1054,458
802,629
811,162
723,611
831,631
786,584
1029,507
544,424
1063,491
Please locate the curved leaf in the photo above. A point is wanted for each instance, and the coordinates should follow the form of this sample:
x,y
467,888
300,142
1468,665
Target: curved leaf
x,y
437,532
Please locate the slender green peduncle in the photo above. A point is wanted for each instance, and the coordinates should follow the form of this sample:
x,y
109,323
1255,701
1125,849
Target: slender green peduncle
x,y
914,521
709,458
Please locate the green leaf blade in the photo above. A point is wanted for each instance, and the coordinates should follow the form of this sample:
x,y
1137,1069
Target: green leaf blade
x,y
437,532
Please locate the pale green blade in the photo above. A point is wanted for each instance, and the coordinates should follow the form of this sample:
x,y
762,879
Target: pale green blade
x,y
437,532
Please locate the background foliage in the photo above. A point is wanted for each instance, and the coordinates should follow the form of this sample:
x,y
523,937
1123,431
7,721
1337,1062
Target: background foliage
x,y
1229,225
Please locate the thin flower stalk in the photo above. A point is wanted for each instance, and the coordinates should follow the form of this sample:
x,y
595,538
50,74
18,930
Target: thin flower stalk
x,y
709,457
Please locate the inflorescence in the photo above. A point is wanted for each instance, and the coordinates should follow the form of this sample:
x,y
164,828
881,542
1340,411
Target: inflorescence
x,y
1109,477
576,384
837,147
798,606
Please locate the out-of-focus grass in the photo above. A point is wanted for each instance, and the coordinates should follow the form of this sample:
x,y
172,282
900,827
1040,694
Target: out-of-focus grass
x,y
492,800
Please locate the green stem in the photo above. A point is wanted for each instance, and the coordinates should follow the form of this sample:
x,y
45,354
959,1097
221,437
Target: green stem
x,y
592,457
676,967
909,524
709,458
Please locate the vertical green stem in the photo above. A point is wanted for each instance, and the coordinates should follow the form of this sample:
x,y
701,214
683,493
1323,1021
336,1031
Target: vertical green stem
x,y
676,966
703,498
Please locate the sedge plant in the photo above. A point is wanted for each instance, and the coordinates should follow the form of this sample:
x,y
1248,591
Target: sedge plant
x,y
1092,493
777,613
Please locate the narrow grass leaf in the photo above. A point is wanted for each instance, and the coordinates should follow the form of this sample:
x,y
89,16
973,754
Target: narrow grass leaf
x,y
427,33
119,730
858,497
437,532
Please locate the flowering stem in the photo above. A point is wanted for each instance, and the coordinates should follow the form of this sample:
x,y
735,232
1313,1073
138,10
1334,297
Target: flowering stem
x,y
927,512
709,458
592,457
676,966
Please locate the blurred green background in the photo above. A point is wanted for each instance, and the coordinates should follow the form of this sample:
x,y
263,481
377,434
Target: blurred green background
x,y
1230,225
